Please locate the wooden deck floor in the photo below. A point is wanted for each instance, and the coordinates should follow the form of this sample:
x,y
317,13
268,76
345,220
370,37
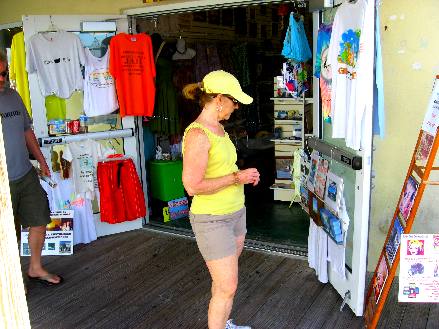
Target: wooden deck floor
x,y
144,279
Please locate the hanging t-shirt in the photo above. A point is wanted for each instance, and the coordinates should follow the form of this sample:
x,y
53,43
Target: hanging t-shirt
x,y
364,88
99,93
132,66
63,197
55,108
342,56
60,108
17,69
296,46
323,69
84,156
56,57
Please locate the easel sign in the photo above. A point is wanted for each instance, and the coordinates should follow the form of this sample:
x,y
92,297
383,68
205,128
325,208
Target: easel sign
x,y
59,235
419,270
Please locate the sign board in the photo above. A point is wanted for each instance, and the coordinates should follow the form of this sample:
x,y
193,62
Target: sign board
x,y
419,268
59,235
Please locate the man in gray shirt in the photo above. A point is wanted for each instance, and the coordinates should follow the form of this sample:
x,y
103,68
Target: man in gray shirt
x,y
29,200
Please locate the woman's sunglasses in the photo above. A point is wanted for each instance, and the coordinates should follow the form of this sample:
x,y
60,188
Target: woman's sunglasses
x,y
234,100
4,74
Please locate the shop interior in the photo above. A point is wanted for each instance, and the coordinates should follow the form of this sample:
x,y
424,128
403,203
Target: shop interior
x,y
247,42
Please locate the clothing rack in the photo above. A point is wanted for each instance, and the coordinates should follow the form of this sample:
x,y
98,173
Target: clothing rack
x,y
346,158
57,140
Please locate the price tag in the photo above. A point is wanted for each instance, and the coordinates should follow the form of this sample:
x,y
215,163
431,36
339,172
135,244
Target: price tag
x,y
52,141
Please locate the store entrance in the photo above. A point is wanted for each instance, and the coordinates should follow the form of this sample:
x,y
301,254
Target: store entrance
x,y
247,42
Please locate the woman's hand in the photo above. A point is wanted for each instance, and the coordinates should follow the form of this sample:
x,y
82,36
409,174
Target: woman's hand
x,y
249,176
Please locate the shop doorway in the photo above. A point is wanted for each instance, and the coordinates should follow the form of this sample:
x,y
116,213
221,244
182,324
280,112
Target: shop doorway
x,y
246,41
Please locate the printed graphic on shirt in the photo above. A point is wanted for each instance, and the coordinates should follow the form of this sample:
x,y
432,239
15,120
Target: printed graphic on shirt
x,y
86,167
349,47
133,62
56,60
101,79
10,114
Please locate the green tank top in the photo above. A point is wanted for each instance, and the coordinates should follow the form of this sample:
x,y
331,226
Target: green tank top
x,y
221,162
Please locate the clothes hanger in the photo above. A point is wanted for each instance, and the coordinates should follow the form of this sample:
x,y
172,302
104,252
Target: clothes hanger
x,y
116,157
52,27
295,13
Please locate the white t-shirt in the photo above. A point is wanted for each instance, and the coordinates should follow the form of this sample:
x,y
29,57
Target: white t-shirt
x,y
56,58
99,91
63,197
84,156
343,56
364,90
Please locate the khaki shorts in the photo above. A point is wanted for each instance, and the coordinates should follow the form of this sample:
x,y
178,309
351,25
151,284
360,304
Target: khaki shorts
x,y
216,234
29,201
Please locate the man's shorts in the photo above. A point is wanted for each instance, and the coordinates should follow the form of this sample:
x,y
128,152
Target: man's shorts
x,y
29,201
216,234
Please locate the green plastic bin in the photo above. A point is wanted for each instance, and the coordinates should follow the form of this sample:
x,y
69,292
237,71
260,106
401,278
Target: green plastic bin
x,y
166,183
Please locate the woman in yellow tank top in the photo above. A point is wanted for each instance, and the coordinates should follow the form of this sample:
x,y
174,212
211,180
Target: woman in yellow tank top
x,y
210,175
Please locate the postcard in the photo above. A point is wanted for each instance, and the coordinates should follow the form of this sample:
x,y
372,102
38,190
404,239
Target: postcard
x,y
408,197
394,240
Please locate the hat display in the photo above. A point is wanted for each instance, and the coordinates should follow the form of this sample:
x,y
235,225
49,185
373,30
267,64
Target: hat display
x,y
222,82
182,52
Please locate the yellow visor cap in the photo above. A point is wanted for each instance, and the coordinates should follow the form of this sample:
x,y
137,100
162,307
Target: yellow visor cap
x,y
222,82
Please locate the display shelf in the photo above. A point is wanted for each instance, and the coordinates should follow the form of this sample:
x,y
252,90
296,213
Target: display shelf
x,y
287,141
281,186
289,125
308,100
287,121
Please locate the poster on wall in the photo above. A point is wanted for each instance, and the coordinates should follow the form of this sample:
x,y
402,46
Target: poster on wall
x,y
419,268
59,235
431,119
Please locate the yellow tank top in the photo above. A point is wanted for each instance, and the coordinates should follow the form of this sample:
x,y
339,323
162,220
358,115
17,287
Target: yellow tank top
x,y
221,162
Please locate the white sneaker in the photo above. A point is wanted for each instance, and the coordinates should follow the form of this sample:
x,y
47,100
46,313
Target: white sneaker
x,y
231,325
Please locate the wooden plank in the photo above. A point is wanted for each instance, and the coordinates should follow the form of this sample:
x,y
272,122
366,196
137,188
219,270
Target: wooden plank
x,y
433,317
144,279
393,312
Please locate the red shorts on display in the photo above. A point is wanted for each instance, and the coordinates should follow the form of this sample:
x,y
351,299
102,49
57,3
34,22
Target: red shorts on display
x,y
121,195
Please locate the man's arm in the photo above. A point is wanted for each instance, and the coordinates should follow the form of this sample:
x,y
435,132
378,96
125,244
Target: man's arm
x,y
34,149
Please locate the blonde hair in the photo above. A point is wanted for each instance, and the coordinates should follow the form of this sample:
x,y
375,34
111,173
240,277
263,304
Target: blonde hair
x,y
195,92
416,243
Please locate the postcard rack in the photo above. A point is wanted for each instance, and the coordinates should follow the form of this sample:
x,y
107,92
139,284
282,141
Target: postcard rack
x,y
344,157
416,180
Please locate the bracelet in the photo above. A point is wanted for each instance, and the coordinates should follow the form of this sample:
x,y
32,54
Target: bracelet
x,y
236,178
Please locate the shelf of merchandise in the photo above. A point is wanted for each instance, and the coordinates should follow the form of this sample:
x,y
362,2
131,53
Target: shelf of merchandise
x,y
287,141
287,121
292,123
282,190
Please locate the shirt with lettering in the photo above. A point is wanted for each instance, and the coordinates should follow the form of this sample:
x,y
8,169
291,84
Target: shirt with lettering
x,y
132,66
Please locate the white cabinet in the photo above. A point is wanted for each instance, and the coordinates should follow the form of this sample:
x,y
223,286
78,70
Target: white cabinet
x,y
292,121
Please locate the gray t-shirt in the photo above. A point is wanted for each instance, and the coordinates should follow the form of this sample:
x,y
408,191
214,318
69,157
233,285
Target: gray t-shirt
x,y
15,121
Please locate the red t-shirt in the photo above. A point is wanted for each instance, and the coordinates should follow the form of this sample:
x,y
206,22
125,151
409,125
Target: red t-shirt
x,y
132,66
